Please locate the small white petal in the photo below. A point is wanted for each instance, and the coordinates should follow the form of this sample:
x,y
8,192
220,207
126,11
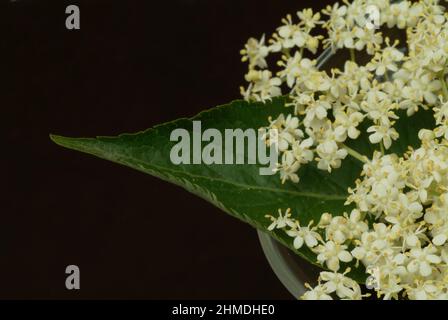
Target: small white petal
x,y
345,256
310,241
298,242
439,240
425,269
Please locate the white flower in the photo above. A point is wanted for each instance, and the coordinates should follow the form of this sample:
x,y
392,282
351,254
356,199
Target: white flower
x,y
441,111
344,287
397,15
422,260
308,77
386,60
357,226
436,216
290,131
331,253
337,230
330,155
292,35
373,245
426,290
308,18
346,124
264,86
425,86
367,38
291,69
304,234
255,52
316,293
301,150
288,168
283,131
316,110
382,133
281,221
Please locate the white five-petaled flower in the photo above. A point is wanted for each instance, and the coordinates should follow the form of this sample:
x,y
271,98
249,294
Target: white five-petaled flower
x,y
343,286
384,134
330,155
255,52
306,235
317,293
422,260
346,125
281,221
332,253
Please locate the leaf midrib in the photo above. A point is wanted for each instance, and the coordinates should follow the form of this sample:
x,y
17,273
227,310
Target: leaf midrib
x,y
237,184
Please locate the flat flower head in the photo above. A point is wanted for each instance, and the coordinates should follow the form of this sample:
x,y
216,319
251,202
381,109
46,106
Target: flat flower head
x,y
367,111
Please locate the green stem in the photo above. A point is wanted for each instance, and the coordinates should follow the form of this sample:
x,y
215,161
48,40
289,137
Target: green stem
x,y
352,55
355,154
382,147
287,53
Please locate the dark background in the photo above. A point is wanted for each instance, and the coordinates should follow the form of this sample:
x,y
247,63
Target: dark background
x,y
132,65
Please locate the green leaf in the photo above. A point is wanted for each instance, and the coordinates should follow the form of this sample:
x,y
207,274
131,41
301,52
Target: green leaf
x,y
240,190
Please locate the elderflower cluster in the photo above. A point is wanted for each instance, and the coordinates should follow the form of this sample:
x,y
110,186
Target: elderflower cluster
x,y
396,227
331,108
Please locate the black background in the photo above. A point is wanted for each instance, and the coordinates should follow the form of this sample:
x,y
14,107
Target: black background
x,y
132,65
